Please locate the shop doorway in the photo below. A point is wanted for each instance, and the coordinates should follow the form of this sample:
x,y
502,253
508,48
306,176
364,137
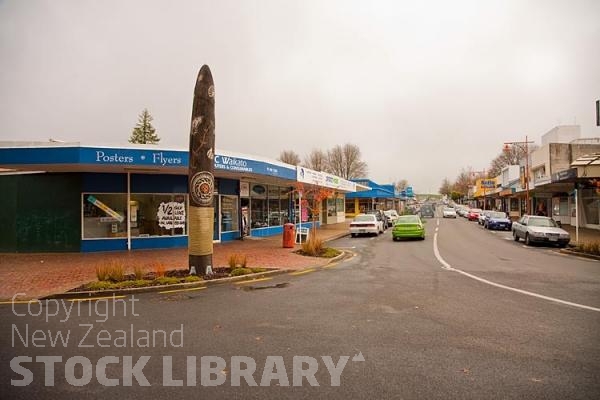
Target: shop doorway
x,y
245,217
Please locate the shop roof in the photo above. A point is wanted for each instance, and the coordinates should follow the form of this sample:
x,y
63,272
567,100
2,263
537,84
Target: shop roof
x,y
76,157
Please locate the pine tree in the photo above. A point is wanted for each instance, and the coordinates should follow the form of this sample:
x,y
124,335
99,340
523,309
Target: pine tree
x,y
144,132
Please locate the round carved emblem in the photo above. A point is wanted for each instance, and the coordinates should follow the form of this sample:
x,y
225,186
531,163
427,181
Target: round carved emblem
x,y
202,187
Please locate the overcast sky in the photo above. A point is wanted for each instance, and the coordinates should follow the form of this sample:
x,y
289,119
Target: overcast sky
x,y
423,87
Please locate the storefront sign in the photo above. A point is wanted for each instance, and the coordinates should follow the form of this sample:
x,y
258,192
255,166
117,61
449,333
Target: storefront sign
x,y
335,182
91,199
564,175
171,215
488,183
238,164
307,175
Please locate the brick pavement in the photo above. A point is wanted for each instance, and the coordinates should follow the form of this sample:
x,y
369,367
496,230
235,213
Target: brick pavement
x,y
41,274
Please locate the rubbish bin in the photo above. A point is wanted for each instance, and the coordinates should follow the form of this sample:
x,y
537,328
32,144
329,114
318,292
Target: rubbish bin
x,y
289,235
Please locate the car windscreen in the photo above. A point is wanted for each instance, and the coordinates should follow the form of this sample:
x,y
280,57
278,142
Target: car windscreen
x,y
498,215
409,219
542,222
448,209
364,218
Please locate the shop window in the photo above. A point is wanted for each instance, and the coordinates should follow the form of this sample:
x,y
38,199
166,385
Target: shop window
x,y
104,215
284,206
229,213
258,207
350,206
339,204
158,215
514,204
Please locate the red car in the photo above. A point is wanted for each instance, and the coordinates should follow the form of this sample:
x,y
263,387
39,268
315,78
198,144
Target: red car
x,y
473,214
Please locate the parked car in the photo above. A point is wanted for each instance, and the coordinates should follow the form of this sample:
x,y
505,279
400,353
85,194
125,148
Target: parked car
x,y
366,224
537,229
408,226
380,216
498,220
427,211
449,212
392,216
473,214
483,216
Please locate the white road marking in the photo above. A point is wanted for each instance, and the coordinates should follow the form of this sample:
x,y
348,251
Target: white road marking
x,y
436,229
448,267
438,222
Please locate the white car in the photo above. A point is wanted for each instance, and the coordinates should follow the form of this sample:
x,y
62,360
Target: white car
x,y
449,212
364,224
392,216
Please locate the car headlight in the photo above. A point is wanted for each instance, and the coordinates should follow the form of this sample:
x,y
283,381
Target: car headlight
x,y
538,234
564,236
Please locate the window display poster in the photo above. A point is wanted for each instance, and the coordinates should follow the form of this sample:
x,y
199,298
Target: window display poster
x,y
171,215
93,200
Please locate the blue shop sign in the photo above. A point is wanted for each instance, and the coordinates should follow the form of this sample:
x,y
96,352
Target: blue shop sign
x,y
236,164
163,158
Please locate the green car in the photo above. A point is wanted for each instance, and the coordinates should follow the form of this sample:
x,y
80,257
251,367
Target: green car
x,y
408,226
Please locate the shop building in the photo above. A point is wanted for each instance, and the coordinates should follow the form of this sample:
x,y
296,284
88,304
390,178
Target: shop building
x,y
378,197
70,197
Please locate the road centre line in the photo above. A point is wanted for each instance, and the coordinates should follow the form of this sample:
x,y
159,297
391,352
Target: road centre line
x,y
448,267
182,290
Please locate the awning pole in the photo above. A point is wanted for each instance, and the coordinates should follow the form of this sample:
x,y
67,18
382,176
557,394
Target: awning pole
x,y
576,218
128,211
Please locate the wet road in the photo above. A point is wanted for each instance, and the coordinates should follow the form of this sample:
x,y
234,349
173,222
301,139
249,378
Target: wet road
x,y
432,319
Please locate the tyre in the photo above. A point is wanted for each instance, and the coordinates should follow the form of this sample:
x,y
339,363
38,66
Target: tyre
x,y
527,240
515,236
353,234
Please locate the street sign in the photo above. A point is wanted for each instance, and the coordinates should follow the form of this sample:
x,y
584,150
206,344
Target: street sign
x,y
488,183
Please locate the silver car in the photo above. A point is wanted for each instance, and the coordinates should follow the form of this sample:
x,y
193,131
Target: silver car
x,y
534,229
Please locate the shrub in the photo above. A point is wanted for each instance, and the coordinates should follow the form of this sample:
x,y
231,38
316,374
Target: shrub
x,y
100,285
237,260
138,272
192,278
116,272
159,269
258,270
240,271
102,272
313,246
163,280
330,252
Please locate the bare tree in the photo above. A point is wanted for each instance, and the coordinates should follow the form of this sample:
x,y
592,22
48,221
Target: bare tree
x,y
446,187
464,181
511,156
401,185
345,161
289,157
317,160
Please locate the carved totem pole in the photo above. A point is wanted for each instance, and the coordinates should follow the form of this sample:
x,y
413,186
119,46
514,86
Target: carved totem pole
x,y
201,180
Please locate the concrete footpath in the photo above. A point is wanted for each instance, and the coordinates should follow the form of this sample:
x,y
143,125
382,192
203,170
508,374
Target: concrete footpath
x,y
41,274
585,234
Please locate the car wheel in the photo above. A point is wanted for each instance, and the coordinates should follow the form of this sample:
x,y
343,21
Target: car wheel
x,y
527,240
515,236
353,234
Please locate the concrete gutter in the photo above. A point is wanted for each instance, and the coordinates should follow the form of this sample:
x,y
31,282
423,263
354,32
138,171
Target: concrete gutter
x,y
579,254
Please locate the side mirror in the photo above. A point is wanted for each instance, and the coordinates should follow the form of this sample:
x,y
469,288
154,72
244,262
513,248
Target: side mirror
x,y
559,224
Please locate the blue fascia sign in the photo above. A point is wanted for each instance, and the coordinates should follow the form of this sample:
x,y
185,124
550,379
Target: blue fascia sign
x,y
134,158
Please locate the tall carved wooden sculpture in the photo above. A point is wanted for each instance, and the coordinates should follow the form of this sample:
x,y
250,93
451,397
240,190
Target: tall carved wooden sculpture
x,y
201,180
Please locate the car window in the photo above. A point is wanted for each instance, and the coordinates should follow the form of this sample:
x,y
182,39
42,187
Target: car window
x,y
364,218
542,222
408,219
498,214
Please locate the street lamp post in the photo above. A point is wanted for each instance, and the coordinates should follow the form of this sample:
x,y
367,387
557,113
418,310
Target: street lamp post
x,y
524,146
